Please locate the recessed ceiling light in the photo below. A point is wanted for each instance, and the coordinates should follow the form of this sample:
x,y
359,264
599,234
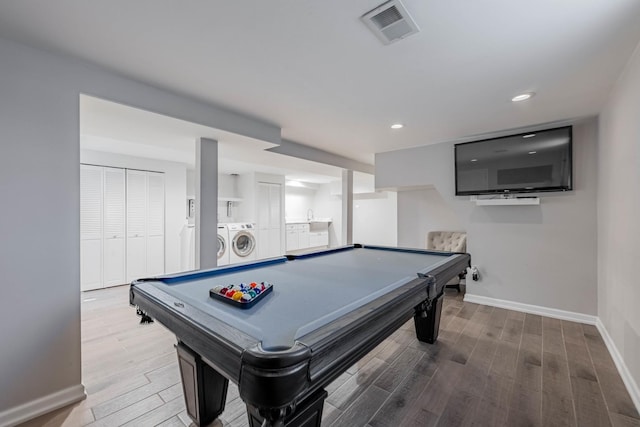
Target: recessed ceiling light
x,y
474,160
532,152
522,97
397,126
531,135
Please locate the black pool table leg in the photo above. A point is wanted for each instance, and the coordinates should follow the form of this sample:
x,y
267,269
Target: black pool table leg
x,y
205,390
307,413
427,319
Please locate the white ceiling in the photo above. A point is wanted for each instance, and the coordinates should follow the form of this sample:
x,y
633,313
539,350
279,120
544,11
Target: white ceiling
x,y
315,70
112,127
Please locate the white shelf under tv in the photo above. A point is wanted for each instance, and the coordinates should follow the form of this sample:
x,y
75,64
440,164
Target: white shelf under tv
x,y
508,201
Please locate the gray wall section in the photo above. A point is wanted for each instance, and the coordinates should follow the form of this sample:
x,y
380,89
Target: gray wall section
x,y
542,255
39,219
294,149
206,203
619,218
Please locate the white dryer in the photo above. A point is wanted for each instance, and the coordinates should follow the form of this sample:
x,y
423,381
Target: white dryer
x,y
242,241
223,245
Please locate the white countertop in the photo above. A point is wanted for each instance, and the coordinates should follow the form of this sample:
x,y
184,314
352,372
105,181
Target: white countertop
x,y
307,221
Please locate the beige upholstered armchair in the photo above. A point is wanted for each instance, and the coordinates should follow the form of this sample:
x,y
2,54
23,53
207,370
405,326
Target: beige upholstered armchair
x,y
450,241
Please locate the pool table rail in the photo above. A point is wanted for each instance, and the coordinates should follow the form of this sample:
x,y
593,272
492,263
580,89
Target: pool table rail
x,y
221,344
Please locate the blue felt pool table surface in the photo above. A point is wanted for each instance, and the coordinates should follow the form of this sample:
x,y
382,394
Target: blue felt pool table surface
x,y
308,292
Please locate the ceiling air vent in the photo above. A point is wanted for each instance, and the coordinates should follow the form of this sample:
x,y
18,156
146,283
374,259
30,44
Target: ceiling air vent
x,y
390,22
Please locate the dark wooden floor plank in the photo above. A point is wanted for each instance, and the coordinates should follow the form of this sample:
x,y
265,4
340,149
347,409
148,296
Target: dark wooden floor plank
x,y
468,310
557,410
346,394
367,404
163,413
397,406
532,324
572,332
589,403
505,359
552,340
463,347
460,410
557,398
524,407
493,407
496,323
618,420
615,393
399,369
529,370
329,414
129,413
420,418
512,331
472,381
580,364
442,385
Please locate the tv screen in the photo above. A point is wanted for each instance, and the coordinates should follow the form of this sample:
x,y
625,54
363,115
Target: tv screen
x,y
523,163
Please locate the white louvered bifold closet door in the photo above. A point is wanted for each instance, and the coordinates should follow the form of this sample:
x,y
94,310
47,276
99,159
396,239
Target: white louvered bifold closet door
x,y
269,220
91,230
136,224
155,223
114,227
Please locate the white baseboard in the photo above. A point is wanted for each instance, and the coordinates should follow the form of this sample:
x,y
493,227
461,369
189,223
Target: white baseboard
x,y
629,382
532,309
40,406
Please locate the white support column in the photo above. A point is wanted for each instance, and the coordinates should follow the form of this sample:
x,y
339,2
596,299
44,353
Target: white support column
x,y
347,207
206,181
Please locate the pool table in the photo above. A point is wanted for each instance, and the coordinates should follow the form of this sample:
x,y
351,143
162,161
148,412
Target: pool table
x,y
327,310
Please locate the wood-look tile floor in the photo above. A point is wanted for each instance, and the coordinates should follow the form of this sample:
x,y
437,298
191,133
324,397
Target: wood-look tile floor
x,y
490,367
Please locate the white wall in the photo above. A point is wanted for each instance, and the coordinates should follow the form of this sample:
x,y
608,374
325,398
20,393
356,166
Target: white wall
x,y
297,201
541,255
426,210
327,205
227,188
375,218
191,183
619,219
39,222
175,195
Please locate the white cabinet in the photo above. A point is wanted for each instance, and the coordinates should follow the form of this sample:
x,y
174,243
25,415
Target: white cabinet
x,y
292,237
102,208
145,224
305,236
318,238
319,234
269,213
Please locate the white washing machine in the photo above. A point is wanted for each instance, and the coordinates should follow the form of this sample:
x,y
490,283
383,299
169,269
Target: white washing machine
x,y
242,242
223,245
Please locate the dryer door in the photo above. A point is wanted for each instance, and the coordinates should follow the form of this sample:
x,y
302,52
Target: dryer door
x,y
222,247
243,244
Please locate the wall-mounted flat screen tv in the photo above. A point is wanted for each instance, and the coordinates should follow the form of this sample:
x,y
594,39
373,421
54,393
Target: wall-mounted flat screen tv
x,y
524,163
